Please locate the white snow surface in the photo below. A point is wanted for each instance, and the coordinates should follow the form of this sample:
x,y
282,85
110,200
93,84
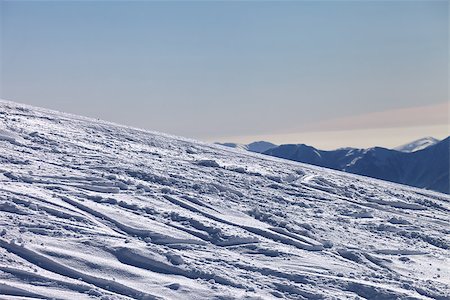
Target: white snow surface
x,y
417,145
94,210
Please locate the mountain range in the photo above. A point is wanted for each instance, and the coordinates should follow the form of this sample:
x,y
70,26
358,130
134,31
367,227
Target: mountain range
x,y
423,163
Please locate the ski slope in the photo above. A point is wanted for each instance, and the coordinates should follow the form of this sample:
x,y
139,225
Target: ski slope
x,y
94,210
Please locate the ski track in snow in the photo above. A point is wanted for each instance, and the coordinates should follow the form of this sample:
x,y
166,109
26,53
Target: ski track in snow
x,y
94,210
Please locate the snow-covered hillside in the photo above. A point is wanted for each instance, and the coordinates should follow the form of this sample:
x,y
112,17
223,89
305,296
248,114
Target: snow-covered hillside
x,y
93,210
417,144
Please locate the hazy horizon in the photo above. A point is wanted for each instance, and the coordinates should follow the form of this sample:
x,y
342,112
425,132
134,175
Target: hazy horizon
x,y
390,131
328,74
331,140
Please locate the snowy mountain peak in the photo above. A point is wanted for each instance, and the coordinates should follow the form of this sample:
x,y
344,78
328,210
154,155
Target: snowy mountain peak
x,y
258,147
417,144
94,210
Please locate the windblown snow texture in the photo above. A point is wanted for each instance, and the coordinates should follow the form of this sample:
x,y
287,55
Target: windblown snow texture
x,y
93,210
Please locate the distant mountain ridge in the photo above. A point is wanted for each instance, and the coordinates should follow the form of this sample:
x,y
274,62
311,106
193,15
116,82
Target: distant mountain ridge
x,y
426,168
258,147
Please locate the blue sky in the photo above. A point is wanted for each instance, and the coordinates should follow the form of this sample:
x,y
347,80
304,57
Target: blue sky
x,y
234,71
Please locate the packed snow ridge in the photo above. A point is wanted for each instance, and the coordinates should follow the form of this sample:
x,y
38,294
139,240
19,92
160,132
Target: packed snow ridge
x,y
93,210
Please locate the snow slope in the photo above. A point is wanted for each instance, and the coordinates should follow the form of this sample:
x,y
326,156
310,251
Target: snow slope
x,y
93,210
417,144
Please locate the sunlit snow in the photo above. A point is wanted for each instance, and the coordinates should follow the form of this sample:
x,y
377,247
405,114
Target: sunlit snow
x,y
93,210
